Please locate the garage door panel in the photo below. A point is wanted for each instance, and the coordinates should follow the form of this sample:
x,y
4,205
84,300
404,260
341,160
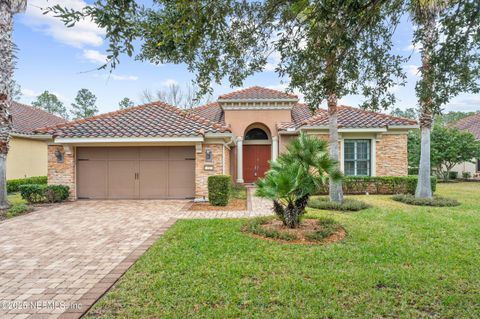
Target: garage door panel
x,y
136,172
92,182
92,153
121,179
122,153
181,153
181,176
154,153
153,179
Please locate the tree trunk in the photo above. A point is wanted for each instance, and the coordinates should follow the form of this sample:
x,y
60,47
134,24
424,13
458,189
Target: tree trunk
x,y
335,187
6,70
290,214
424,187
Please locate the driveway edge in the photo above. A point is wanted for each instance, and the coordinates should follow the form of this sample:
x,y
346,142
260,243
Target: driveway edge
x,y
104,285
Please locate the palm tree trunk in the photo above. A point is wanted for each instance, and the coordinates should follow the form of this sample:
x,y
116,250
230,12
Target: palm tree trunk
x,y
7,9
6,70
335,187
424,187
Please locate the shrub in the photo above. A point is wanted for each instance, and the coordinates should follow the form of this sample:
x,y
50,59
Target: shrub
x,y
467,175
56,193
219,189
329,227
347,205
32,193
413,171
13,184
452,175
380,185
38,193
436,201
18,209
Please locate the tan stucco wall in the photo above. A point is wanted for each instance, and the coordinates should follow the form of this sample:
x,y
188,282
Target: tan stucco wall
x,y
26,158
241,119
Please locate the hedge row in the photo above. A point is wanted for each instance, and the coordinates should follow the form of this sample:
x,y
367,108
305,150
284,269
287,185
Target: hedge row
x,y
38,193
381,185
13,184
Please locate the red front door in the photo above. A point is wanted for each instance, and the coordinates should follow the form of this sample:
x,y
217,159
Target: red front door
x,y
255,162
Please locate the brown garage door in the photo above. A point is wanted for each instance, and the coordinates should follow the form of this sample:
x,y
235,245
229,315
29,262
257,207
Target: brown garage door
x,y
136,172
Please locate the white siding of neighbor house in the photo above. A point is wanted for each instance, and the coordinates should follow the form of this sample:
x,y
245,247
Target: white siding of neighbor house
x,y
465,167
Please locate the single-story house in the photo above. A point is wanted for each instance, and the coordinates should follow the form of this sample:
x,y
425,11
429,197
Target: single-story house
x,y
159,151
27,155
471,124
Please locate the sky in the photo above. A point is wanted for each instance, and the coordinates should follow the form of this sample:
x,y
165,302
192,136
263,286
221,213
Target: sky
x,y
63,60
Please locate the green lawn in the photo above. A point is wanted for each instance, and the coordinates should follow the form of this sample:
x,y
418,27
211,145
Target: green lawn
x,y
398,261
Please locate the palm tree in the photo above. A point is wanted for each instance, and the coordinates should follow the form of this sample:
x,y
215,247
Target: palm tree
x,y
298,173
7,9
424,14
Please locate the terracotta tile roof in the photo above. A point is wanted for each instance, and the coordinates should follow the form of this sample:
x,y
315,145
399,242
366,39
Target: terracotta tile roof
x,y
155,119
470,123
353,118
212,111
300,113
257,93
28,118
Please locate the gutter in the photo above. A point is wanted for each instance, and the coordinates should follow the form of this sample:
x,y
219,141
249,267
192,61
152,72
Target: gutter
x,y
33,136
93,140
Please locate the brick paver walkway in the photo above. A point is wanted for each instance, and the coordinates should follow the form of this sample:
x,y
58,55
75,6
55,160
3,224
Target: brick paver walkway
x,y
57,261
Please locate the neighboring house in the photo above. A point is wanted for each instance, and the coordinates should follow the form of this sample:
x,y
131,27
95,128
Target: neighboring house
x,y
28,151
471,124
159,151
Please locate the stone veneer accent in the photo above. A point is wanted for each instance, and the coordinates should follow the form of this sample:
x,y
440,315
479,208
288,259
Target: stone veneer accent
x,y
391,153
392,156
201,175
62,173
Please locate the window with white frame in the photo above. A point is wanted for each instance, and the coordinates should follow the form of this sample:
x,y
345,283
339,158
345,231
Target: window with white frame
x,y
357,157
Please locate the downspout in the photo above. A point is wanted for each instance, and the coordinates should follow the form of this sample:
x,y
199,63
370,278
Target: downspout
x,y
223,159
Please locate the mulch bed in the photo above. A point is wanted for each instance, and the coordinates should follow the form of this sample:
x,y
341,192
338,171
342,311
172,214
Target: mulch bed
x,y
307,226
233,205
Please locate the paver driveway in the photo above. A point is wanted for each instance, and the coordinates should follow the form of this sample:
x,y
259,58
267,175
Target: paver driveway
x,y
57,261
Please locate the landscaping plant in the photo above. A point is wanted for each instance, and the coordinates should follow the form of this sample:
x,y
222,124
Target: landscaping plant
x,y
435,201
219,189
296,175
7,9
38,193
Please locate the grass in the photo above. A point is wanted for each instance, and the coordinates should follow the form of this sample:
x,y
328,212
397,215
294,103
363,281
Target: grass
x,y
18,206
436,201
255,226
238,192
398,261
329,227
348,204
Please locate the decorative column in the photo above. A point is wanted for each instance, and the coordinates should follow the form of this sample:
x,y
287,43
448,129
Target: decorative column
x,y
239,160
274,148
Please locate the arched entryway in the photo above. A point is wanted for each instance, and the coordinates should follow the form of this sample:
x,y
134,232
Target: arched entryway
x,y
257,151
